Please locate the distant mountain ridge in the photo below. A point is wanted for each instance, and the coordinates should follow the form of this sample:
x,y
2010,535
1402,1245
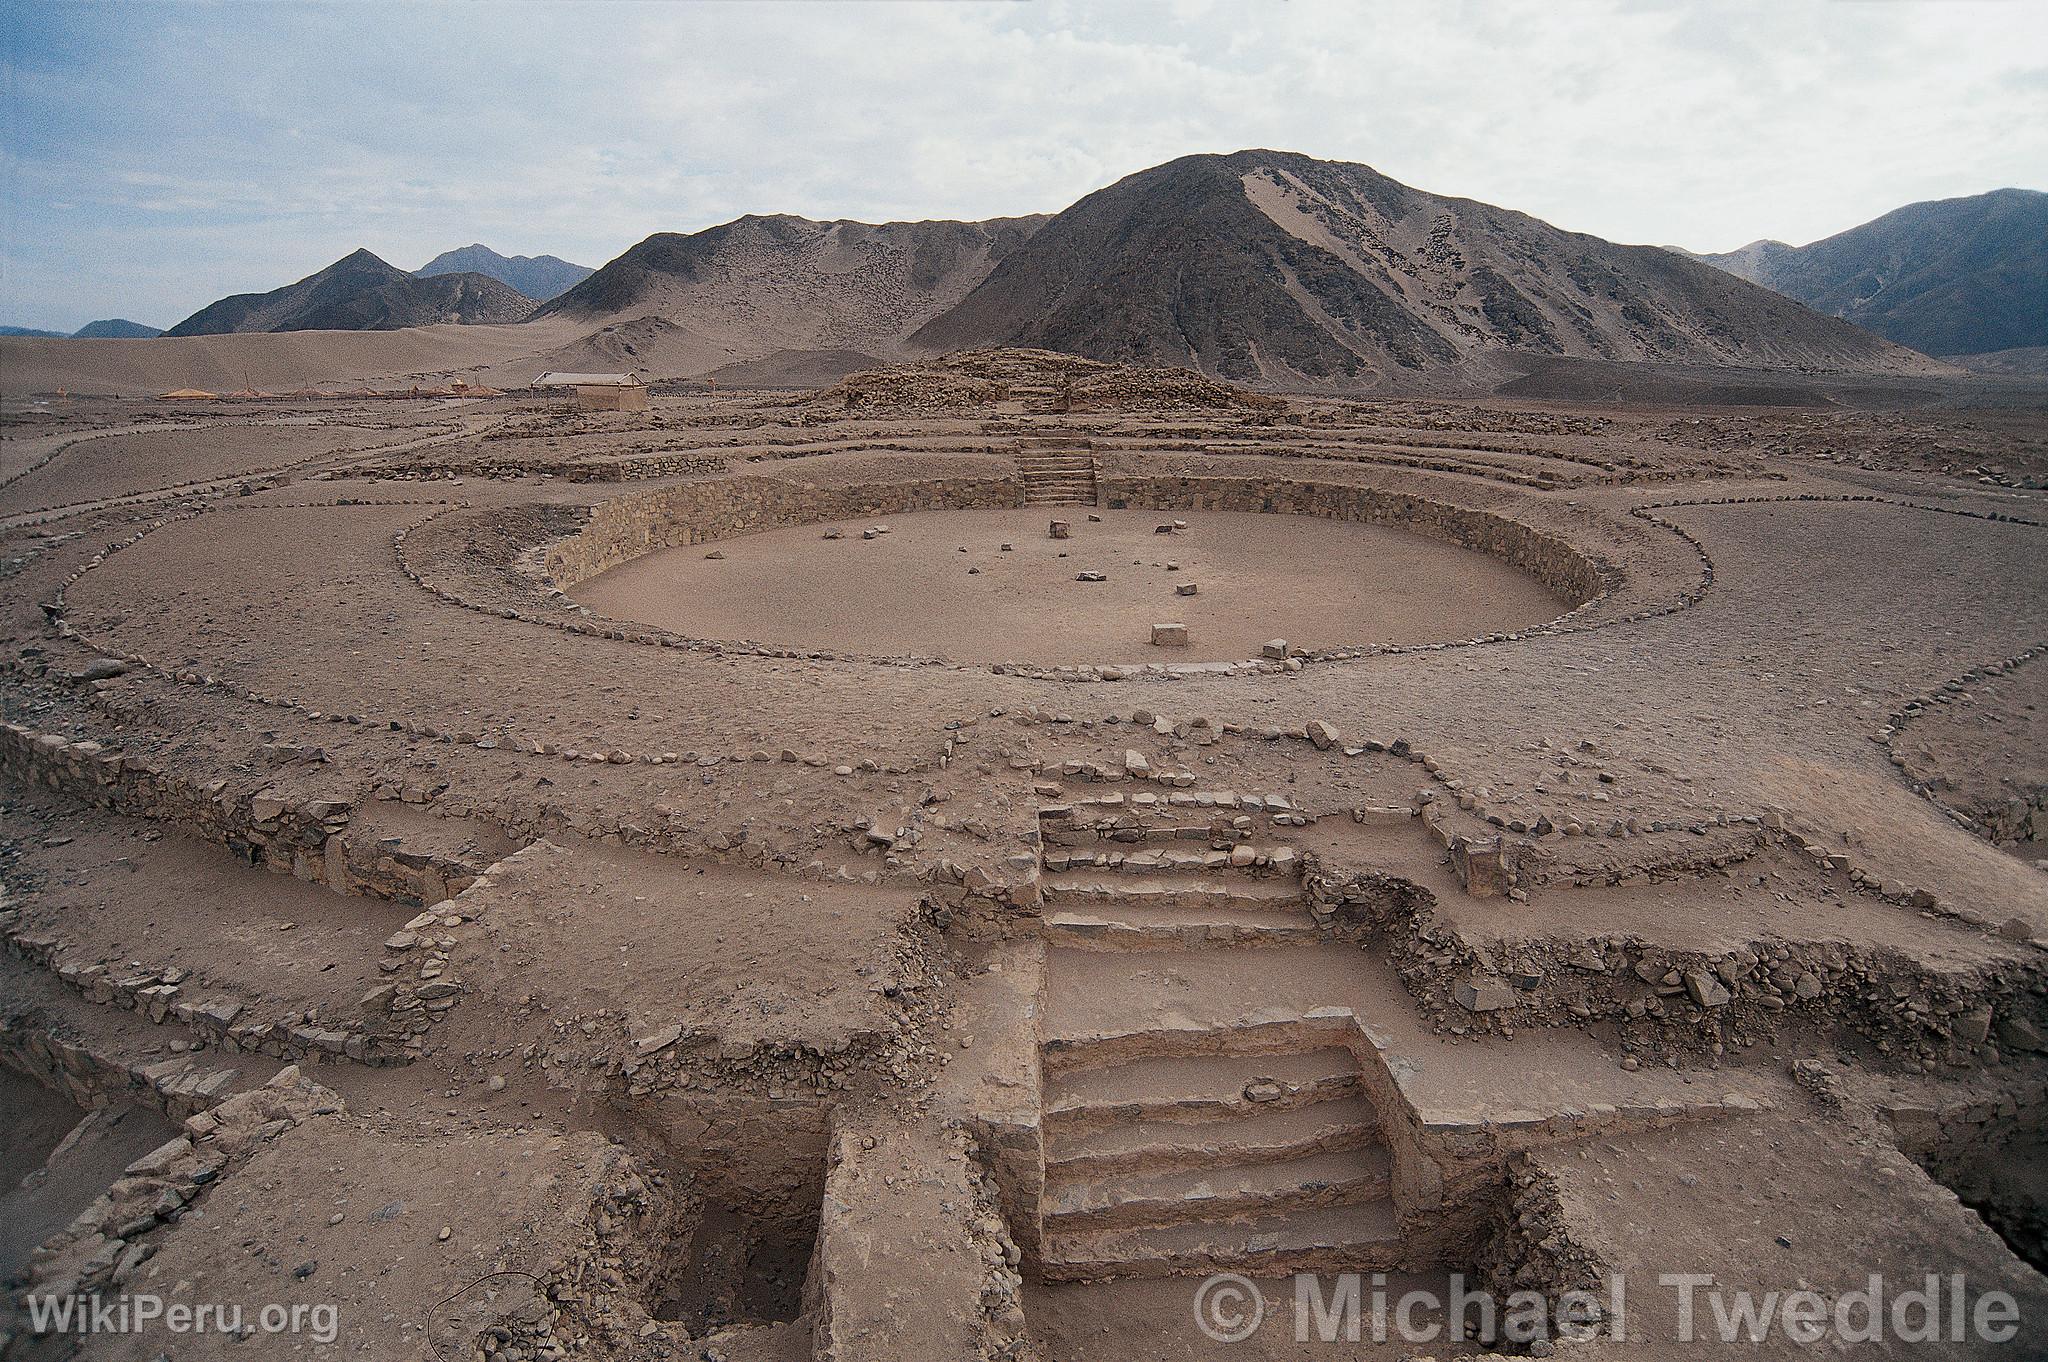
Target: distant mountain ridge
x,y
115,328
539,277
1261,266
360,292
1947,277
1268,265
760,284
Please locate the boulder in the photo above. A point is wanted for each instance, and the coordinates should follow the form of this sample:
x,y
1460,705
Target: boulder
x,y
1484,995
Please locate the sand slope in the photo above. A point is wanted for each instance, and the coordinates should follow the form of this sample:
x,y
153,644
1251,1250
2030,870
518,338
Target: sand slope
x,y
270,362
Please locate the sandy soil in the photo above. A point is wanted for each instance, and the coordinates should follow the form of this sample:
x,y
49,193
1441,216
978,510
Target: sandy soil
x,y
119,889
113,465
55,1158
274,362
939,584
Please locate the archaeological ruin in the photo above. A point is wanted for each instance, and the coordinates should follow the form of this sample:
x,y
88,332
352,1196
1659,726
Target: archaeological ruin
x,y
945,864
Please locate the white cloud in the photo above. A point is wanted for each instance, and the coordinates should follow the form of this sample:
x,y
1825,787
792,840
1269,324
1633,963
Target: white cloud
x,y
158,160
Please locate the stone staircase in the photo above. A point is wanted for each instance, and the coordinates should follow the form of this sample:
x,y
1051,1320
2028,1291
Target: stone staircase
x,y
1194,1135
1055,472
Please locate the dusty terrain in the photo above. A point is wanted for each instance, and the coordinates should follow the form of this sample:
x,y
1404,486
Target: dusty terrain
x,y
500,873
940,584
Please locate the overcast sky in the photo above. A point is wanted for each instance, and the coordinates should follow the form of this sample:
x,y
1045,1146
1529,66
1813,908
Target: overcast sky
x,y
159,157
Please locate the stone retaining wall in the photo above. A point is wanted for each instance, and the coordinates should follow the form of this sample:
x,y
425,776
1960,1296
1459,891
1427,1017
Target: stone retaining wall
x,y
1661,998
625,527
1560,567
306,839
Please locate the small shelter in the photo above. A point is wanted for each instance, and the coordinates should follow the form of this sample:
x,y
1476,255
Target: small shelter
x,y
600,392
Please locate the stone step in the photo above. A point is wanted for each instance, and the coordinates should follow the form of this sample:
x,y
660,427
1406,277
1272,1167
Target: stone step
x,y
1227,1192
1221,800
1068,1049
1193,1088
1243,857
1124,927
1263,1136
1093,888
1113,833
1363,1238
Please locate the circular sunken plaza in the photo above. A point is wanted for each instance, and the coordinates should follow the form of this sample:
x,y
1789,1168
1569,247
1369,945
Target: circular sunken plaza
x,y
741,883
998,586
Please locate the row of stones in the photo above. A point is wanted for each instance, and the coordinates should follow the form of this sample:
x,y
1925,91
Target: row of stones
x,y
39,465
1916,705
1335,440
1870,497
157,995
1220,815
178,1086
570,470
238,484
108,1241
1948,693
1477,468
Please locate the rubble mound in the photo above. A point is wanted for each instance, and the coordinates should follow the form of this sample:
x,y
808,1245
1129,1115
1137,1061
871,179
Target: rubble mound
x,y
1042,380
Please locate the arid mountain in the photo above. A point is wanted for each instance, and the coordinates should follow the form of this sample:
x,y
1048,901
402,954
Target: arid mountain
x,y
1274,266
31,333
761,284
115,328
359,292
1947,277
539,277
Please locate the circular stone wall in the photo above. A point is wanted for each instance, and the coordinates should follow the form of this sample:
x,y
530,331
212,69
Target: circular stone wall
x,y
939,584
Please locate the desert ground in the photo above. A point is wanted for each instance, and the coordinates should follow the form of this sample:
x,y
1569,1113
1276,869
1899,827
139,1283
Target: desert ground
x,y
792,873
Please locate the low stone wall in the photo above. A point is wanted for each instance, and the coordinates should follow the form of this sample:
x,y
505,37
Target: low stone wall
x,y
1660,998
1549,559
308,839
303,838
92,1078
625,527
